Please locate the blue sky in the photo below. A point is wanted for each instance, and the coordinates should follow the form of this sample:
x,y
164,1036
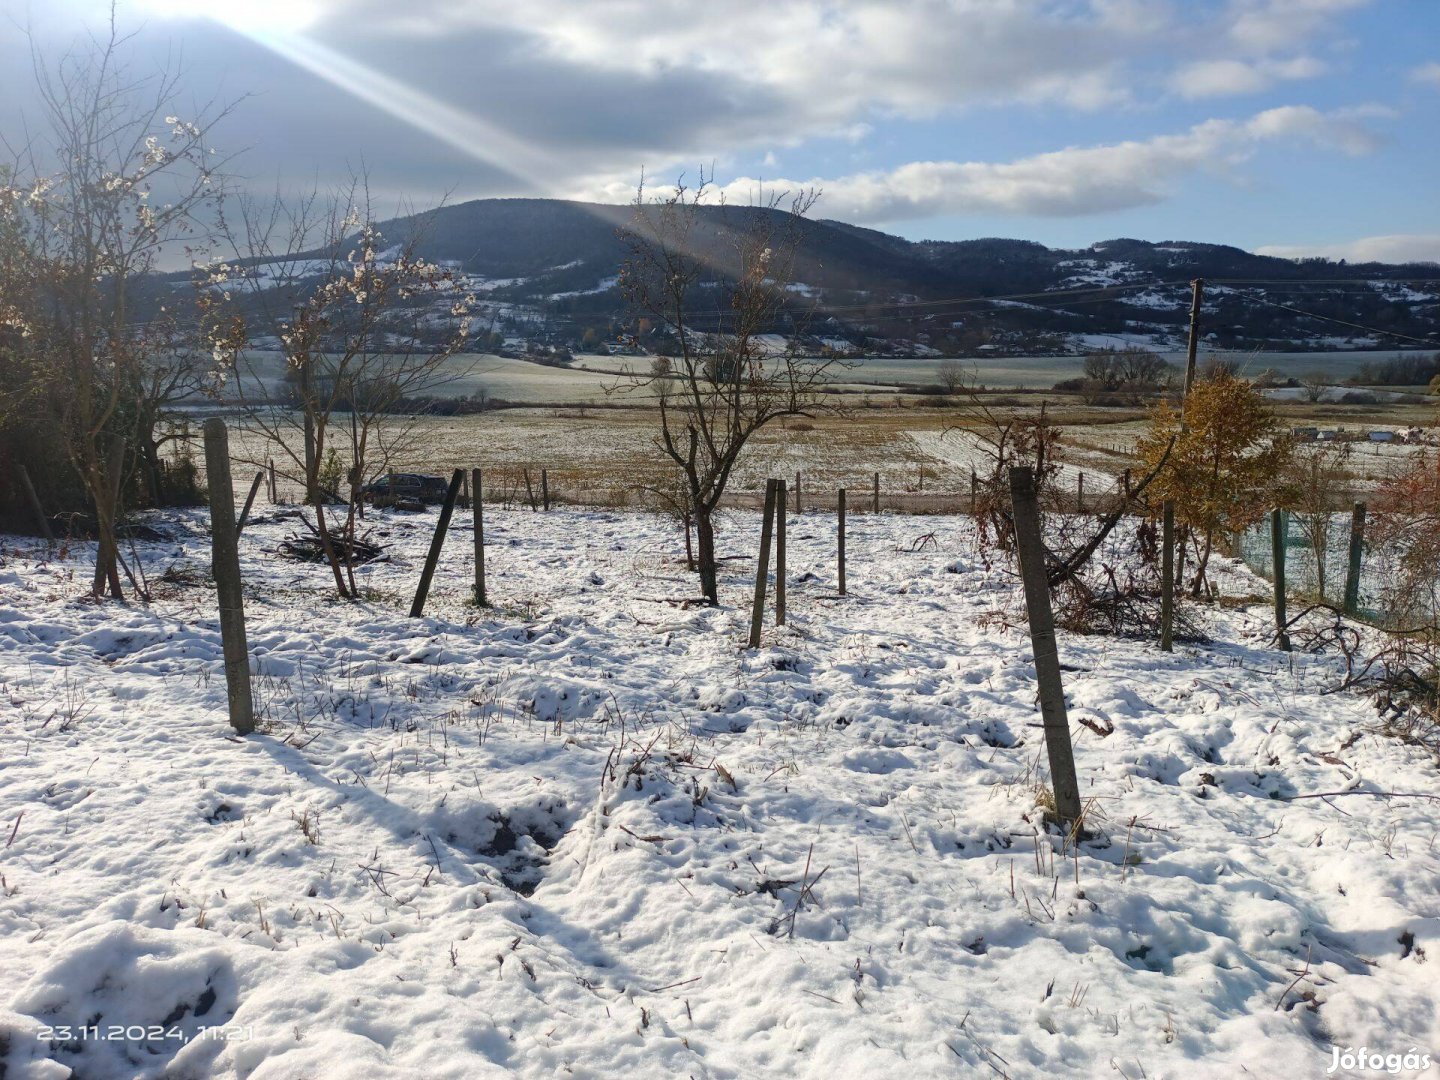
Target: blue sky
x,y
1290,126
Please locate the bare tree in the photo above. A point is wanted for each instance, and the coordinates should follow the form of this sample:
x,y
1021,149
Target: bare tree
x,y
1128,375
114,179
669,494
952,375
730,375
1320,483
1002,440
365,334
1315,384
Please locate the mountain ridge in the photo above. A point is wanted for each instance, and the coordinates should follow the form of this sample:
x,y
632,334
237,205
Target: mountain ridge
x,y
548,269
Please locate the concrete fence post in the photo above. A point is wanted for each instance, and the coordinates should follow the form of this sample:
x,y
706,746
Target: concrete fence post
x,y
1031,550
225,567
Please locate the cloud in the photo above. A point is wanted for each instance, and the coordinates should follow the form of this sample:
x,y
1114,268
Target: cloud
x,y
457,96
1221,78
1070,182
1428,74
1260,26
1396,248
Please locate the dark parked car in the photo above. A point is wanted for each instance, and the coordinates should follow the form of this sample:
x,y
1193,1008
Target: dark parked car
x,y
406,487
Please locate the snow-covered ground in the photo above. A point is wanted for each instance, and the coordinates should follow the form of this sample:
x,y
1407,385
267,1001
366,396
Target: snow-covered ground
x,y
586,833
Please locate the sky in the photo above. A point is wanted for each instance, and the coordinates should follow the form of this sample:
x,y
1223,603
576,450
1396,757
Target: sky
x,y
1289,127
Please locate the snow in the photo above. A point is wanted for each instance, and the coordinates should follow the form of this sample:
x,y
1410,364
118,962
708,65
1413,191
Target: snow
x,y
587,833
1094,272
1150,299
605,284
1089,342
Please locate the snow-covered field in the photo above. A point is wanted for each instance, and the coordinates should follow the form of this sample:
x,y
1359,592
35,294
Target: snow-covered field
x,y
586,833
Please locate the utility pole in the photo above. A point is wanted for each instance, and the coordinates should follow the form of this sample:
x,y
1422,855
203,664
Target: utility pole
x,y
1197,297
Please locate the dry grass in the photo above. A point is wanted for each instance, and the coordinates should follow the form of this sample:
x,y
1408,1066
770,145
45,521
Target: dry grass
x,y
603,455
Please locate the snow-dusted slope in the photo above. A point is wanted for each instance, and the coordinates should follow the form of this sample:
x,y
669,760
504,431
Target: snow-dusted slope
x,y
586,834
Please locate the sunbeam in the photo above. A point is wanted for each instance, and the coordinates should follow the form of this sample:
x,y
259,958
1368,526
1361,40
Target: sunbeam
x,y
532,168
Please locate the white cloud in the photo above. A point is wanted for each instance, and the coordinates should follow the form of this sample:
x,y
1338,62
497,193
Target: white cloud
x,y
1261,26
828,64
571,90
1396,248
1073,181
832,60
1426,73
1225,77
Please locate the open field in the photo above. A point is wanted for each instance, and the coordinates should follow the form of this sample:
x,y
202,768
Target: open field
x,y
585,833
596,379
605,454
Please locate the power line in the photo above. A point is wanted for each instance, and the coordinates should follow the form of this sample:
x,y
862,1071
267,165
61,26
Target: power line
x,y
877,310
1342,322
1071,297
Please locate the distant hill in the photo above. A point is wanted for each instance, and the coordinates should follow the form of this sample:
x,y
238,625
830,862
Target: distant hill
x,y
547,269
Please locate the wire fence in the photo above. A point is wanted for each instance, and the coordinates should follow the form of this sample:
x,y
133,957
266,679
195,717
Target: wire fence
x,y
1318,567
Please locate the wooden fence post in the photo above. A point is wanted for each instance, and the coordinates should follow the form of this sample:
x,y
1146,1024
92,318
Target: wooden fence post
x,y
35,507
1080,493
876,506
1031,549
1357,553
1167,576
762,569
225,567
799,500
436,542
465,492
1279,528
274,487
974,491
780,553
545,489
479,504
249,502
530,491
840,514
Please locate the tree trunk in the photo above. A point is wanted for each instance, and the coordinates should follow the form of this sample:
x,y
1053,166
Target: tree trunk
x,y
1204,561
312,436
689,547
105,483
1182,545
153,473
107,567
705,562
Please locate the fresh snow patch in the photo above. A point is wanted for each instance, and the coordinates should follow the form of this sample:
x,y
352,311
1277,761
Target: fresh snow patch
x,y
586,833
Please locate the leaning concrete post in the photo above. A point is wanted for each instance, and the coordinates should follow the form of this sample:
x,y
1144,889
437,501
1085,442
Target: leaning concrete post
x,y
249,502
417,608
762,568
1031,548
35,508
225,566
